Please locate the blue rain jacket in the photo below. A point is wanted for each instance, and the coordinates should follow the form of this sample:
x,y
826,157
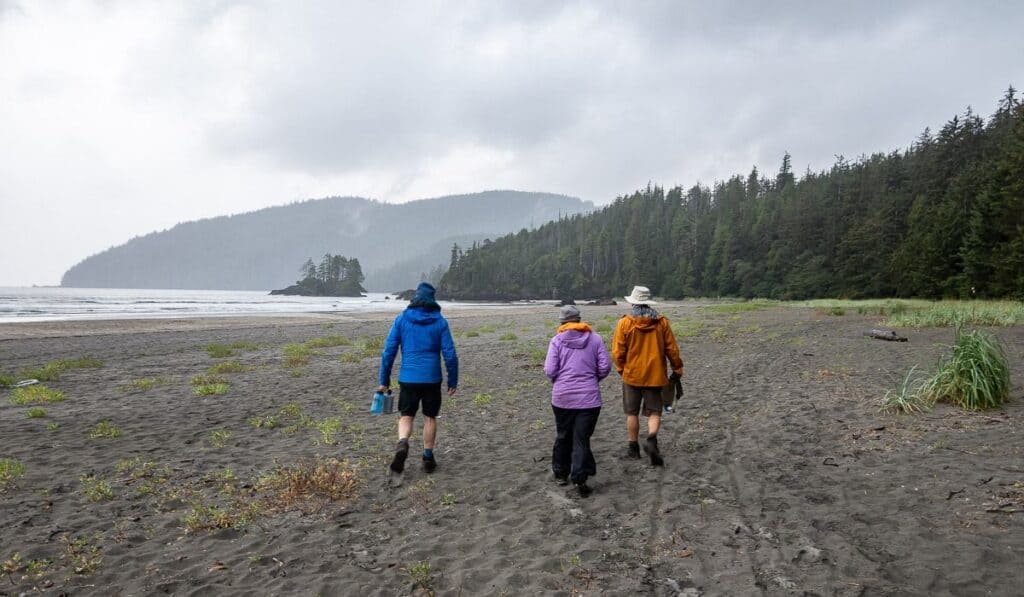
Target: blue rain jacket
x,y
422,335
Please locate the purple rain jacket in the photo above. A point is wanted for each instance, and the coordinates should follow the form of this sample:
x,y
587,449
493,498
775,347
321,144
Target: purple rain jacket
x,y
577,360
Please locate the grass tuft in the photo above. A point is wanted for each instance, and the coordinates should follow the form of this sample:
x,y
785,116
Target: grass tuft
x,y
36,412
210,389
54,369
227,367
36,394
736,308
310,483
296,355
328,342
105,430
975,377
219,438
906,398
10,471
96,489
219,351
508,337
144,384
7,381
482,399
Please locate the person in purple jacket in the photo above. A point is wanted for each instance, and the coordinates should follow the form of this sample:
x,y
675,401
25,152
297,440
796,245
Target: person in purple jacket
x,y
576,362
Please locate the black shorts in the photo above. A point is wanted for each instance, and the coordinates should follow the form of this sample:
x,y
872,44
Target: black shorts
x,y
633,398
411,394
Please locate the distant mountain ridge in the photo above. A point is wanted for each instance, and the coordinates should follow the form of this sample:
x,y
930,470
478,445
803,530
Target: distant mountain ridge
x,y
262,249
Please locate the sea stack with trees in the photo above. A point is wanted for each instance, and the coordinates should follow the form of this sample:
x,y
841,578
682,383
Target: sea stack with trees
x,y
336,275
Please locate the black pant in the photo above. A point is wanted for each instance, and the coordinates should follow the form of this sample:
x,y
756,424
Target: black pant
x,y
571,455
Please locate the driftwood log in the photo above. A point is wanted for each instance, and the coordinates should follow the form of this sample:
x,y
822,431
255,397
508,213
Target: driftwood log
x,y
889,335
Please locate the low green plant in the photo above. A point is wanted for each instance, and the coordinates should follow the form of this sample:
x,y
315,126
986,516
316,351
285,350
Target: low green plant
x,y
219,351
52,371
36,394
207,379
351,357
835,311
7,381
486,329
211,389
734,308
219,438
52,426
328,342
975,377
329,429
482,399
105,430
686,328
267,422
422,576
208,517
244,346
96,489
296,355
36,413
373,345
83,554
508,337
226,367
143,385
10,471
448,499
719,335
472,334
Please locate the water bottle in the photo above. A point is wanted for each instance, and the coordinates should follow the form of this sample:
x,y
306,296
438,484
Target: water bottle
x,y
389,403
377,405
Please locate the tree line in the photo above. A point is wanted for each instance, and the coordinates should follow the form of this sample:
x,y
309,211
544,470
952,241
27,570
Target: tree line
x,y
335,275
943,218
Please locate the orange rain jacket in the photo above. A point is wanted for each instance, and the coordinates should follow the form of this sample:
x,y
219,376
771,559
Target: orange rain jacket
x,y
639,348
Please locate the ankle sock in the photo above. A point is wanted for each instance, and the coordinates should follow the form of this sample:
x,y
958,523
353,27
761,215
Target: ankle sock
x,y
403,441
428,453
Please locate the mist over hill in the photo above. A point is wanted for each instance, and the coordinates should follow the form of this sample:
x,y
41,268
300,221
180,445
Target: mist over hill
x,y
264,249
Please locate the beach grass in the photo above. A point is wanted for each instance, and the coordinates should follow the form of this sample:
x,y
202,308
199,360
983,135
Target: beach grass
x,y
227,367
508,337
35,413
737,308
54,369
907,398
10,471
83,554
220,438
309,483
296,355
422,576
210,389
975,377
36,394
96,489
145,384
917,313
219,351
7,381
105,429
328,342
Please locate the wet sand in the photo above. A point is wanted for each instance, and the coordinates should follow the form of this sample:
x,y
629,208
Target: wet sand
x,y
781,477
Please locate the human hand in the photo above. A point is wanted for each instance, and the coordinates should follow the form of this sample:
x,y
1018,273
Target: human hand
x,y
676,376
383,389
451,391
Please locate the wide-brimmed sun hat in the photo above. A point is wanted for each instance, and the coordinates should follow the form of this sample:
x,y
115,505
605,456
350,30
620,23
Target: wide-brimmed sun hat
x,y
641,295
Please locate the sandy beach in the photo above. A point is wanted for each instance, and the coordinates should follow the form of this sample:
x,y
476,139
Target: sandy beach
x,y
782,477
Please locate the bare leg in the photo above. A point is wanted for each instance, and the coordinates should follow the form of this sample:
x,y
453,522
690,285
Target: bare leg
x,y
429,431
405,427
653,425
632,427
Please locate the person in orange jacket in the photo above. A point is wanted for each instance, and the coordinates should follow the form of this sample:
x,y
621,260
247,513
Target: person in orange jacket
x,y
641,343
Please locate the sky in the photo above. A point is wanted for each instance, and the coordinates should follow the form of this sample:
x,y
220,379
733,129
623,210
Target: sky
x,y
122,118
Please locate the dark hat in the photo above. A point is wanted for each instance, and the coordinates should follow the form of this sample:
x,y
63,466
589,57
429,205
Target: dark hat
x,y
424,292
569,313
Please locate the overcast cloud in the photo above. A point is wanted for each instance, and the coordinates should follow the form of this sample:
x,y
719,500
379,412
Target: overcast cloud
x,y
120,118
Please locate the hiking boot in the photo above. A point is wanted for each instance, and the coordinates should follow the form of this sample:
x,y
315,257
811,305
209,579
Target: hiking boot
x,y
401,453
583,489
429,464
651,448
560,480
669,410
633,451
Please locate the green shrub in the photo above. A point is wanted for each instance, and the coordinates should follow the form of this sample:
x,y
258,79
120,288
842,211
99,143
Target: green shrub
x,y
35,395
975,377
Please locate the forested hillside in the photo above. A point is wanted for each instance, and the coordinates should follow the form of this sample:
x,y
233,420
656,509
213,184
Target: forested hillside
x,y
944,218
260,250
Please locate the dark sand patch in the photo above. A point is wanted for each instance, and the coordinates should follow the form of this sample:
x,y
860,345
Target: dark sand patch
x,y
781,478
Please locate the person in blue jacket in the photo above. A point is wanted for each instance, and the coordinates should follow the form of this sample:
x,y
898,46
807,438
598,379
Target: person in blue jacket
x,y
421,332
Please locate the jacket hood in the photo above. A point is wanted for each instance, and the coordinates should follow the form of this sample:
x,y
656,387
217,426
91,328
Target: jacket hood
x,y
646,324
421,316
575,339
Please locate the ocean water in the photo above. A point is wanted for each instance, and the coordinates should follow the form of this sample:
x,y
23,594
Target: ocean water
x,y
55,304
